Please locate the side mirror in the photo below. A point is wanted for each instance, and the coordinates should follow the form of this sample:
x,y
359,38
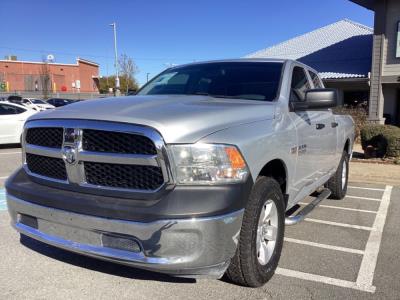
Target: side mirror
x,y
321,98
131,92
317,99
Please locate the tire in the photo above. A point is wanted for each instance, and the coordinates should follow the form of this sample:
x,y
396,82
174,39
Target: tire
x,y
245,268
338,182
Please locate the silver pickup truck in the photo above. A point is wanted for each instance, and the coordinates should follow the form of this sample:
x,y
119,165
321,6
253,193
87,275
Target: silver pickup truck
x,y
196,175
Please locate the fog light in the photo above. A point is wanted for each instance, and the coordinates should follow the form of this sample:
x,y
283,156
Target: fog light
x,y
120,242
28,221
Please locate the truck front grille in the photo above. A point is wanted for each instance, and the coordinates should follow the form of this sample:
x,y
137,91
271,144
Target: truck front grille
x,y
124,176
87,155
117,142
46,166
46,137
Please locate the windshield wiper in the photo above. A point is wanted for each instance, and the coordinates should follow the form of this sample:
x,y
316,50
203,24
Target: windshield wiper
x,y
200,94
219,96
210,95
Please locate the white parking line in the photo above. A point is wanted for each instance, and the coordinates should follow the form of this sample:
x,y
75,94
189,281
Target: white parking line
x,y
368,264
366,272
339,224
324,246
365,188
324,279
364,198
343,208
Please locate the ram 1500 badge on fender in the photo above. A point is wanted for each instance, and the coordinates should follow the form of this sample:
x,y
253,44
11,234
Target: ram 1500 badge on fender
x,y
190,177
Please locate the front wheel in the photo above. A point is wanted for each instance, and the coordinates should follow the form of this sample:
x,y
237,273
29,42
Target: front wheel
x,y
338,182
261,236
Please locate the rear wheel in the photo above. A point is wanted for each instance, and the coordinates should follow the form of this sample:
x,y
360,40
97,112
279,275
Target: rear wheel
x,y
261,236
338,182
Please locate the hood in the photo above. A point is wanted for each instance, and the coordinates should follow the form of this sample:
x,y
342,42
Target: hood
x,y
179,118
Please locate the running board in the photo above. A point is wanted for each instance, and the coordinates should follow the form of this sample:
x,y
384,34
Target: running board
x,y
300,216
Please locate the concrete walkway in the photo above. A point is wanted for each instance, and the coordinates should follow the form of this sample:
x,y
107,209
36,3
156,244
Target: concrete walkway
x,y
375,173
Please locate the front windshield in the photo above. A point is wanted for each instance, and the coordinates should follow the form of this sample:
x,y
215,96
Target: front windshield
x,y
37,101
242,80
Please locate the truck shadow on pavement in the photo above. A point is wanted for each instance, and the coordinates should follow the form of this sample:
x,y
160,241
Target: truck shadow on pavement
x,y
98,265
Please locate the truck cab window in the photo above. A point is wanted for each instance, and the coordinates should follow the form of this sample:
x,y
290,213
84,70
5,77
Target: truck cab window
x,y
299,86
316,81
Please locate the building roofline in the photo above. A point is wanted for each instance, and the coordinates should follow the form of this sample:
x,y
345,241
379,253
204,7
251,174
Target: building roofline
x,y
299,37
359,25
35,62
369,4
87,61
51,63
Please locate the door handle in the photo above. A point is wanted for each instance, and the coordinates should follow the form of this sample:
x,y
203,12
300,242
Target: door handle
x,y
319,126
334,124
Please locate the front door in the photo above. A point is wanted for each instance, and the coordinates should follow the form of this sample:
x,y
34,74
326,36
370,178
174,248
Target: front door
x,y
309,166
316,133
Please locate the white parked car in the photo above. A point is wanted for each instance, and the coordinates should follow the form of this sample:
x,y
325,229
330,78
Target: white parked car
x,y
37,104
12,120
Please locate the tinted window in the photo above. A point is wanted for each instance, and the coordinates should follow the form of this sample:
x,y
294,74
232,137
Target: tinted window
x,y
37,101
299,84
18,98
15,101
54,102
10,110
242,80
316,81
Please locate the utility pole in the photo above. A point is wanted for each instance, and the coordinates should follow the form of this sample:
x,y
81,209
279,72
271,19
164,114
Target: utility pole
x,y
147,77
117,88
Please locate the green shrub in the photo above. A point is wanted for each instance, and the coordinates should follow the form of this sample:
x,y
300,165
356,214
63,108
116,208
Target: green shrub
x,y
384,138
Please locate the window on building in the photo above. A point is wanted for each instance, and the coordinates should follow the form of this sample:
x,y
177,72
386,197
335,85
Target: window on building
x,y
300,85
316,81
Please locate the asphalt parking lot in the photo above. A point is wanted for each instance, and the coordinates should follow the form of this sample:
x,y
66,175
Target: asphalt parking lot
x,y
345,249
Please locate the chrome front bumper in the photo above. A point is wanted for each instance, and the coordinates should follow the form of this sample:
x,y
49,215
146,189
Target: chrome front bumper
x,y
182,247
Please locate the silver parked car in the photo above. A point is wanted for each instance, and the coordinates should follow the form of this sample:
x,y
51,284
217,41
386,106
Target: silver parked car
x,y
192,176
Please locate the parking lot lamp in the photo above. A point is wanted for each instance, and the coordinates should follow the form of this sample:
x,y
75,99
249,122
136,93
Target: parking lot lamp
x,y
117,87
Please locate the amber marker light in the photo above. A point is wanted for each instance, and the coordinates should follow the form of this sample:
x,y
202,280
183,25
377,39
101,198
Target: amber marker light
x,y
236,159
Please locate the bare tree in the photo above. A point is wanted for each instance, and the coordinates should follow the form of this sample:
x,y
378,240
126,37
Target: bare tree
x,y
45,79
128,70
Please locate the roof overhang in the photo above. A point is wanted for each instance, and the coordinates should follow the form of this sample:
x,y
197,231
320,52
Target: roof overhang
x,y
345,79
370,4
86,62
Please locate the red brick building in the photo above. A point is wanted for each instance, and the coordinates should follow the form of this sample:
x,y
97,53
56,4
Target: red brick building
x,y
25,76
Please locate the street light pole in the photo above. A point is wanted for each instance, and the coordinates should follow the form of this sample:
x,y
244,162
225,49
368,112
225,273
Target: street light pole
x,y
147,77
117,87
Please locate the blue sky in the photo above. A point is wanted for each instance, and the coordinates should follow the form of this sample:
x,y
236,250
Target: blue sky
x,y
157,33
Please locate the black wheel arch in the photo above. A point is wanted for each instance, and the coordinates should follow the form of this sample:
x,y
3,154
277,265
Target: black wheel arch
x,y
277,170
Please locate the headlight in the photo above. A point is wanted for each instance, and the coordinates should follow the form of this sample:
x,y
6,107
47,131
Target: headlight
x,y
208,164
